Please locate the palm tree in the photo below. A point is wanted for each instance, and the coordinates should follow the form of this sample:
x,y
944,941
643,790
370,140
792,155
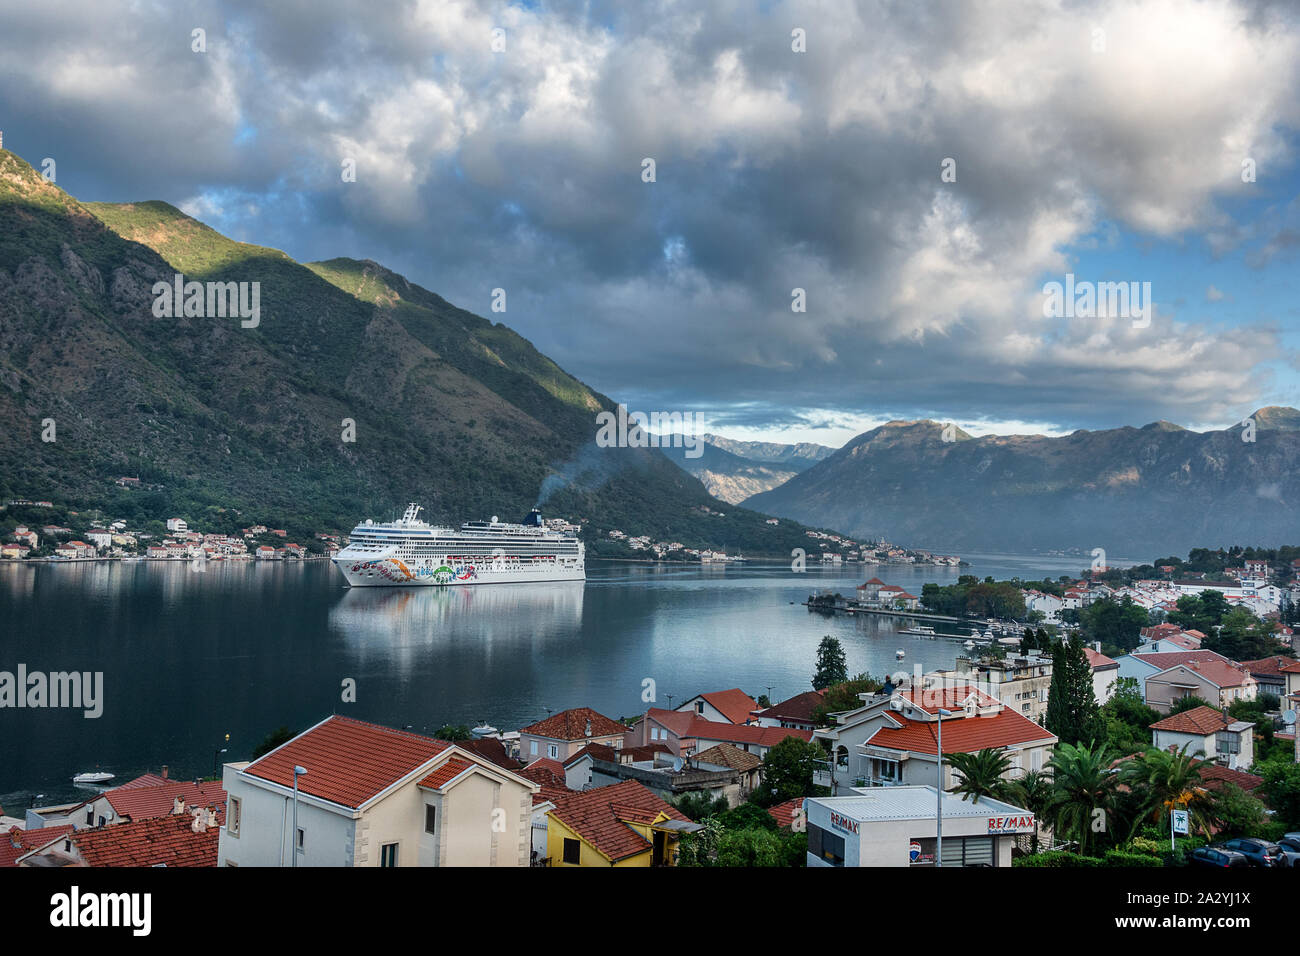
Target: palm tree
x,y
1084,786
981,773
1034,792
1165,781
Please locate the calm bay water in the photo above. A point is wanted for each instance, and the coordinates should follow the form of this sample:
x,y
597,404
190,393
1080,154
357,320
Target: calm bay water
x,y
243,648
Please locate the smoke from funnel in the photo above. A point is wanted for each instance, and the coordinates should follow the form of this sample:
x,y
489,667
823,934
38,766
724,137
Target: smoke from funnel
x,y
590,468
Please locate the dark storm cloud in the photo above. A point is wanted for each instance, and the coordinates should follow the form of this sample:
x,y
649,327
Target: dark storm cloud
x,y
775,170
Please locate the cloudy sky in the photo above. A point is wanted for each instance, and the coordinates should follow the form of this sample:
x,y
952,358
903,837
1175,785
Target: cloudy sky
x,y
503,145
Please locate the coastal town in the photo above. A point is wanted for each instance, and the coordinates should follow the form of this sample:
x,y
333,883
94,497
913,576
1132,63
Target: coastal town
x,y
1188,754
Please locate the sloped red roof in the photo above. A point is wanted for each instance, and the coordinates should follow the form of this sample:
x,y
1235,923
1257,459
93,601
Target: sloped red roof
x,y
1219,673
783,813
142,802
19,842
445,772
960,734
169,841
703,729
798,707
572,725
549,775
679,722
734,704
1213,773
347,761
490,750
597,752
1099,661
1167,659
1200,720
598,816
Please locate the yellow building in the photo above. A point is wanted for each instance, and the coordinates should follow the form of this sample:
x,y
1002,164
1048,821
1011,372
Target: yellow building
x,y
624,824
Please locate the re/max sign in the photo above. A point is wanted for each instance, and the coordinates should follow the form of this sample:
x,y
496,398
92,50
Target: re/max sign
x,y
843,823
1010,824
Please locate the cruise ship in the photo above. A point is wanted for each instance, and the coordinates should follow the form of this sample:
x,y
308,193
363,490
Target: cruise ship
x,y
412,552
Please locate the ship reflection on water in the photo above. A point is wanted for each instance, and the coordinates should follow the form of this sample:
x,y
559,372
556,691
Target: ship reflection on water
x,y
386,620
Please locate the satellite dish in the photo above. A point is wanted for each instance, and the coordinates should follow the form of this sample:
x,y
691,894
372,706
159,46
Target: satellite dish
x,y
1288,717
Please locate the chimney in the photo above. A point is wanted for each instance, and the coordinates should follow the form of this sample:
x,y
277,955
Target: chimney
x,y
212,817
200,823
16,837
164,772
588,730
178,805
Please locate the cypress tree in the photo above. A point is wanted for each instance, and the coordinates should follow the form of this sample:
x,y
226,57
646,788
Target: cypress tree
x,y
1072,711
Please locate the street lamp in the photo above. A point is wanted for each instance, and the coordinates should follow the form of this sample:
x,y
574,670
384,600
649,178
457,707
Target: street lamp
x,y
293,843
938,833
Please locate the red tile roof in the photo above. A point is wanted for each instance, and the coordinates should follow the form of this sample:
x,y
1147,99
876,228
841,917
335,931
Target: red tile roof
x,y
19,842
444,773
703,729
1198,720
1272,666
733,704
490,750
960,734
783,813
572,725
1099,661
1219,673
597,752
799,707
726,755
169,841
348,761
1166,659
599,816
141,802
551,781
1213,773
678,722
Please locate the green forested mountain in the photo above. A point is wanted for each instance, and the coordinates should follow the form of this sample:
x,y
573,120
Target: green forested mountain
x,y
450,409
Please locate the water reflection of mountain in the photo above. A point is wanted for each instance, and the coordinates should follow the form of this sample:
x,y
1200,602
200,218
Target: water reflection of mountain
x,y
388,618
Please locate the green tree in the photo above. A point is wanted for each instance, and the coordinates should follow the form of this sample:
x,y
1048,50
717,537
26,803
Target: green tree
x,y
1083,801
699,806
1072,712
1034,792
787,771
453,732
832,666
281,735
844,696
982,773
1237,813
1164,782
1281,788
1190,702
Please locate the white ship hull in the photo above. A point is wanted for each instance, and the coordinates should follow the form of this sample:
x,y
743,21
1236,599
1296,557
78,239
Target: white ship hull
x,y
410,553
396,572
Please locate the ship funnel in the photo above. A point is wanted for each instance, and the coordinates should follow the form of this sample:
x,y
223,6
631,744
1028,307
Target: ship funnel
x,y
534,519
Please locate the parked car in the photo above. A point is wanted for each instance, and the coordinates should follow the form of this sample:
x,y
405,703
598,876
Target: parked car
x,y
1217,857
1290,850
1258,852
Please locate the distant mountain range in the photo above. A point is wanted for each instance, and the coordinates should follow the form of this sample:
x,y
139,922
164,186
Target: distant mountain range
x,y
1136,492
444,406
736,470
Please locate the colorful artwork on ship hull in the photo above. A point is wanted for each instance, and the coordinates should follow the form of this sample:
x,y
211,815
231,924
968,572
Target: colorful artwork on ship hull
x,y
391,569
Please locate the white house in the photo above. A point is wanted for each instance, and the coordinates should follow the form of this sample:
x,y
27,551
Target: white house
x,y
374,796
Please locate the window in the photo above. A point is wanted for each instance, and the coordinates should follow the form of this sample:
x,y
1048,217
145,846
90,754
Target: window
x,y
430,819
826,845
1227,743
553,751
388,854
572,851
232,817
302,840
532,747
699,706
90,816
